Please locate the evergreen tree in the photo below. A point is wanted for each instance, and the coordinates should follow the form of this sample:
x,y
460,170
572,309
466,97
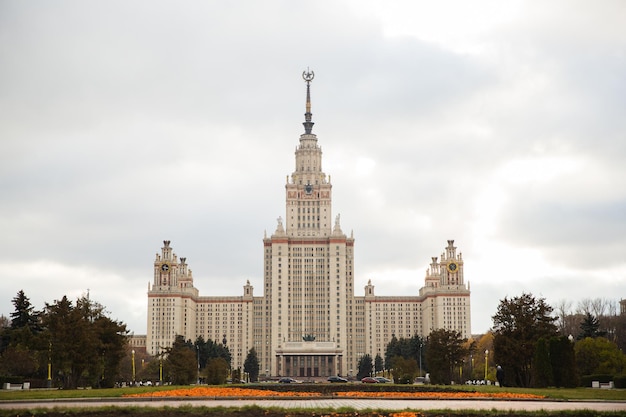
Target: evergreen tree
x,y
181,364
365,366
84,345
445,351
408,348
25,328
590,327
24,314
542,368
251,365
518,324
379,364
563,362
210,350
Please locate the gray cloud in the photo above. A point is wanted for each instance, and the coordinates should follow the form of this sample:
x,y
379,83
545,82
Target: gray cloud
x,y
124,124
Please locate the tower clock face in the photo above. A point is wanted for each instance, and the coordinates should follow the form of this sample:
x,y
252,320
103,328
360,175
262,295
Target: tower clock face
x,y
453,267
308,188
165,267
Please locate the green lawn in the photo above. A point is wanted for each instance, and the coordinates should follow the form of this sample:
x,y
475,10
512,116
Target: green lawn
x,y
554,393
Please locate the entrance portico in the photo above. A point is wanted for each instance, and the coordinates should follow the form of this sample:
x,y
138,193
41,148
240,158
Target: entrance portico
x,y
309,359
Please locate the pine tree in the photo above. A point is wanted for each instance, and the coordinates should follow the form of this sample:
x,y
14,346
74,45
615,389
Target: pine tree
x,y
251,365
365,366
590,327
24,315
379,364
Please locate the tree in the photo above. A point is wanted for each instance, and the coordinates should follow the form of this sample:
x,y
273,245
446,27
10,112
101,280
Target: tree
x,y
599,356
518,323
445,351
24,329
365,366
379,364
181,363
24,314
251,365
590,327
542,368
216,371
405,348
404,370
563,362
85,346
209,350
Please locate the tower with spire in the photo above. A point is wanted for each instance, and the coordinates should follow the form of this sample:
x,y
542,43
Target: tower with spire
x,y
308,269
308,323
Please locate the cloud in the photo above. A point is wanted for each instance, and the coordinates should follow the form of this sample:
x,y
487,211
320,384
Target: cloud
x,y
125,124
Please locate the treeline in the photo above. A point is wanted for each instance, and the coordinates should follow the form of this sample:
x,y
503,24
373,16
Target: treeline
x,y
66,344
527,342
71,344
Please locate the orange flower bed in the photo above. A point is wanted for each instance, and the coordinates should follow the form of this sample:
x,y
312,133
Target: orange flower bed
x,y
443,395
247,392
221,392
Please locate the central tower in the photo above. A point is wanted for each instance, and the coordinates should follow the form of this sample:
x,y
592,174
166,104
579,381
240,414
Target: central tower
x,y
308,190
308,272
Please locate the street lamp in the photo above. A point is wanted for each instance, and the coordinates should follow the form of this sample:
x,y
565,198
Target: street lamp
x,y
161,368
421,359
486,358
133,362
198,357
49,382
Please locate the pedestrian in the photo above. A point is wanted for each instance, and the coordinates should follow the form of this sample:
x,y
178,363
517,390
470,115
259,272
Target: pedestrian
x,y
500,375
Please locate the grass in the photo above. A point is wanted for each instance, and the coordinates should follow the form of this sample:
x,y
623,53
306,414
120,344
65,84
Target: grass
x,y
551,393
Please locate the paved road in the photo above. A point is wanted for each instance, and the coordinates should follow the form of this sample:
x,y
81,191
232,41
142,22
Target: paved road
x,y
358,404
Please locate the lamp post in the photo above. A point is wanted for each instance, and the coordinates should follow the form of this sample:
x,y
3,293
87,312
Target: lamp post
x,y
421,358
461,372
486,358
49,382
198,357
133,363
161,368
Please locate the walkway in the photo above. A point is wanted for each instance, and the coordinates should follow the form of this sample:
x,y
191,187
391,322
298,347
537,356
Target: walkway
x,y
317,404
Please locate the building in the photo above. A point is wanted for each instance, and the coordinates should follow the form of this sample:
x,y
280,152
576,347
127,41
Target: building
x,y
308,323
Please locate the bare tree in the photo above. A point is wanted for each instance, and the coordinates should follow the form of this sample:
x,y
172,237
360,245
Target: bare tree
x,y
599,306
584,306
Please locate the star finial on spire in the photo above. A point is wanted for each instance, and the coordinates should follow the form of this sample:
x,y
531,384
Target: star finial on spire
x,y
308,76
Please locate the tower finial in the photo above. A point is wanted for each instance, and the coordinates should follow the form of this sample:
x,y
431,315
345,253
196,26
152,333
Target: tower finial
x,y
308,76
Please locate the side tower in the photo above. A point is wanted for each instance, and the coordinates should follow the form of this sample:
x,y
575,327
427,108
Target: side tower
x,y
171,301
308,273
446,302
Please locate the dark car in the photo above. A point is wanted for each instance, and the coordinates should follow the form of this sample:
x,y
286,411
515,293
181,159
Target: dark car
x,y
288,381
382,379
369,380
336,379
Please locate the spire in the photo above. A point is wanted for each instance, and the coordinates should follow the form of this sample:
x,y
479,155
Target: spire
x,y
308,124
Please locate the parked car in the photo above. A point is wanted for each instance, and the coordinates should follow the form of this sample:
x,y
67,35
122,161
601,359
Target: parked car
x,y
336,379
369,380
382,379
289,381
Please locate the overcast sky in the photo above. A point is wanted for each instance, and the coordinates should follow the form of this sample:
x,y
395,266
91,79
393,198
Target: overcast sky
x,y
499,124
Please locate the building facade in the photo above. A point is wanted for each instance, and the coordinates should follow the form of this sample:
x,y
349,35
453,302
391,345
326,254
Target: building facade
x,y
308,323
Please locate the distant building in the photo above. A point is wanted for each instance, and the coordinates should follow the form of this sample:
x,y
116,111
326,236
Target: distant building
x,y
308,322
